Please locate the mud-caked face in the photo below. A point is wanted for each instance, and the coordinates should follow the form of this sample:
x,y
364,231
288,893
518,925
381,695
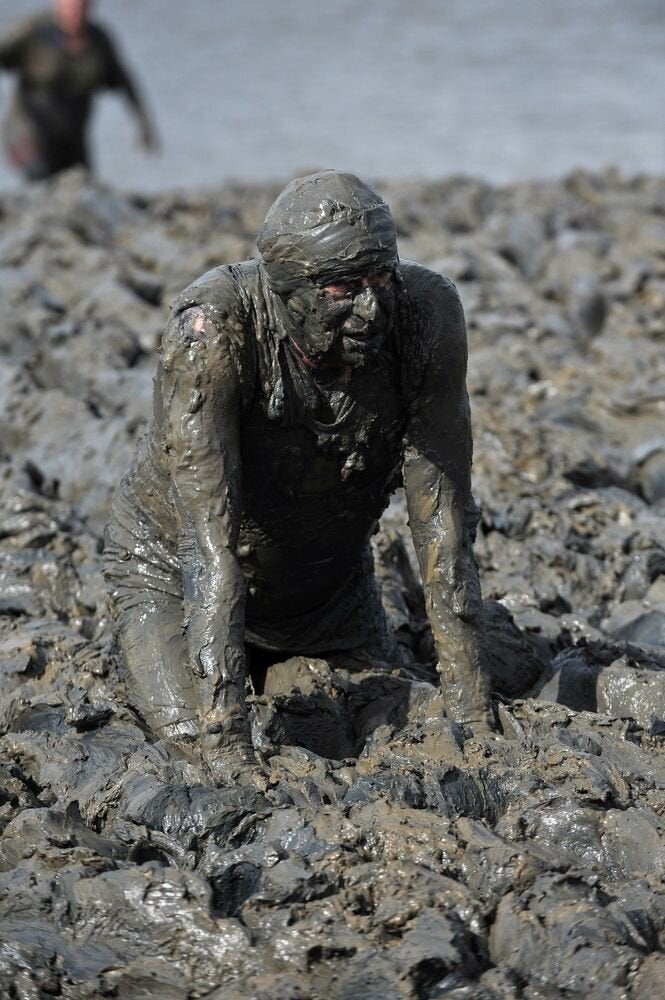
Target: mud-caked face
x,y
343,320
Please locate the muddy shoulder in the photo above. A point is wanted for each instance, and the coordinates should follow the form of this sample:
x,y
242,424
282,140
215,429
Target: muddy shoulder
x,y
384,852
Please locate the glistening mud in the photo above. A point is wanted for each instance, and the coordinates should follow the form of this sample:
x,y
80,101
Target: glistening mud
x,y
386,853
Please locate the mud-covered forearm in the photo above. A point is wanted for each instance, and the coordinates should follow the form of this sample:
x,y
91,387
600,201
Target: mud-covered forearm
x,y
215,639
137,105
442,522
120,79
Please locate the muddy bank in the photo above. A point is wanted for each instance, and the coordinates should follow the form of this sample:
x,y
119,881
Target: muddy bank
x,y
384,853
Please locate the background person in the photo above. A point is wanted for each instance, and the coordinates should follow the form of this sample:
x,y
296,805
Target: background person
x,y
61,59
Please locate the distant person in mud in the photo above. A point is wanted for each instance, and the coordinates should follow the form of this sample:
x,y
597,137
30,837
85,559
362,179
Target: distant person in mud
x,y
292,395
62,59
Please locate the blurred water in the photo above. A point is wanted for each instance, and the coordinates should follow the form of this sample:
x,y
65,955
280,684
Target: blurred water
x,y
504,89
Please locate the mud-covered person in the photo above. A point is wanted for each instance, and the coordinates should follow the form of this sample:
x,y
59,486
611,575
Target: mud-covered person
x,y
293,394
61,59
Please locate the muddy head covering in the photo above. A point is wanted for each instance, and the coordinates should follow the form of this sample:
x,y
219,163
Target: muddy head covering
x,y
326,226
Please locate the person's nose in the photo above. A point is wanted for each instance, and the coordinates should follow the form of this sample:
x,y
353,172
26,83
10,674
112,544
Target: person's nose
x,y
365,305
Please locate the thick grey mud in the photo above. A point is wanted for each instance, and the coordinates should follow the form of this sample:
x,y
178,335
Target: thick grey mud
x,y
382,852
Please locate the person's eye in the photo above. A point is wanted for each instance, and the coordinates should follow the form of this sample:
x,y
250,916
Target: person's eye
x,y
382,279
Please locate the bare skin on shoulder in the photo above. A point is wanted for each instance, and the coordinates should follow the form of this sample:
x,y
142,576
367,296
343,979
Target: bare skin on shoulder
x,y
294,393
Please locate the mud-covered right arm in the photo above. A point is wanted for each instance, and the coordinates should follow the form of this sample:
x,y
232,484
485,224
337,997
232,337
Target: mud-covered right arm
x,y
11,46
197,392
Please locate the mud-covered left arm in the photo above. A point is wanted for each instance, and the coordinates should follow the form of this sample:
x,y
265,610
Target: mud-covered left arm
x,y
120,79
442,514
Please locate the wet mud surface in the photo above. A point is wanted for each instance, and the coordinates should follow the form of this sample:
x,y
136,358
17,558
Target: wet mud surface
x,y
382,851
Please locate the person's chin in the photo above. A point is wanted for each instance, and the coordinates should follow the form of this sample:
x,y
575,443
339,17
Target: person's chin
x,y
358,350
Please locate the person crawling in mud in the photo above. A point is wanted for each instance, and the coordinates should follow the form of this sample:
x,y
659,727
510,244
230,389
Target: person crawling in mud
x,y
293,394
62,59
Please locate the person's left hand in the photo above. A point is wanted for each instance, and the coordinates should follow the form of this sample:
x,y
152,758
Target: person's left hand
x,y
229,771
484,726
149,138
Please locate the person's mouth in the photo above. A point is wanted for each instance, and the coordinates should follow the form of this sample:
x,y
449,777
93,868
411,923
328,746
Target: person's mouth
x,y
361,345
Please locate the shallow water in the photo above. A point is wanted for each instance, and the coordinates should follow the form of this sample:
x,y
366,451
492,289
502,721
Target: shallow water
x,y
504,89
